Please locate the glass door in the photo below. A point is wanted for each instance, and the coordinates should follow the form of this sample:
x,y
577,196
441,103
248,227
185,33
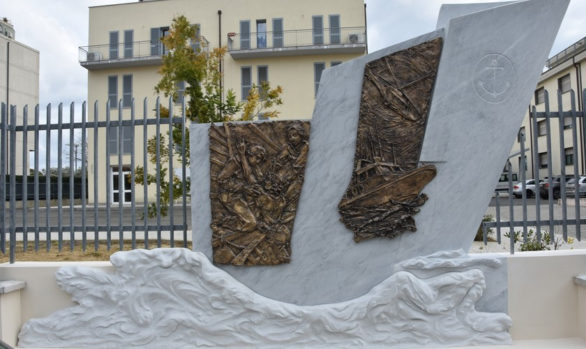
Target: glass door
x,y
121,186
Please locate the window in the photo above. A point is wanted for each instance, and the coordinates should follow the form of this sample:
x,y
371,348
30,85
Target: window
x,y
540,95
542,128
155,42
127,91
157,47
114,45
244,35
521,134
277,32
542,160
196,44
127,133
113,91
564,83
567,123
505,177
334,29
318,69
246,73
164,31
523,164
335,63
128,38
569,156
180,86
263,76
261,33
318,30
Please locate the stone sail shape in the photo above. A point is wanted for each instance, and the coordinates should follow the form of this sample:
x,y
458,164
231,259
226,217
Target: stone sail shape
x,y
256,173
387,182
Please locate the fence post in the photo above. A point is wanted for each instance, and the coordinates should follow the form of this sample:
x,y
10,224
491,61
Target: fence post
x,y
171,175
12,156
561,133
3,151
536,165
24,177
576,176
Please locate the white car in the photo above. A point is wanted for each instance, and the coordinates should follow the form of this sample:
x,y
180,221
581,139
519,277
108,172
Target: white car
x,y
530,188
571,187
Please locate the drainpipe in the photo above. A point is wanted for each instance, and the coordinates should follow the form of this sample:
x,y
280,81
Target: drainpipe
x,y
220,46
531,147
365,29
8,76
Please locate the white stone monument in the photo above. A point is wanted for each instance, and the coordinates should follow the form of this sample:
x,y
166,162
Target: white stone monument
x,y
469,134
418,289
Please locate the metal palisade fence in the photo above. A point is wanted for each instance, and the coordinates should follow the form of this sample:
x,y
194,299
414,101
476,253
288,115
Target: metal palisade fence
x,y
552,211
34,213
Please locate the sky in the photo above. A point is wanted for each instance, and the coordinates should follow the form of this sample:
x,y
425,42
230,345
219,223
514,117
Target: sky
x,y
56,28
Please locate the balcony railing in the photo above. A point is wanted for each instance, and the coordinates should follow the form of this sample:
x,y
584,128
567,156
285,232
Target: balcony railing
x,y
137,53
297,42
111,56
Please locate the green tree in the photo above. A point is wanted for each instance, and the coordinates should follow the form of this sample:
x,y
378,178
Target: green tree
x,y
189,60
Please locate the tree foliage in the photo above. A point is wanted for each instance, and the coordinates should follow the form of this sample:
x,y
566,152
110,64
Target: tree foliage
x,y
189,59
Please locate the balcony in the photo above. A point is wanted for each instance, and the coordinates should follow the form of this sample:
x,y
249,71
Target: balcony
x,y
297,42
138,53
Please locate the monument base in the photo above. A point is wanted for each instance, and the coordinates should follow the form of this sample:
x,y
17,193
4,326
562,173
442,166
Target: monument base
x,y
176,298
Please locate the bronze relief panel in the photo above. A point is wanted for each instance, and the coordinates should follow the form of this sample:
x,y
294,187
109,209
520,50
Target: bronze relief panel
x,y
256,171
385,189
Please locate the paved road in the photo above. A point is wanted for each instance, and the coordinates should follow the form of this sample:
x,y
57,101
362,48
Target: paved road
x,y
503,206
557,212
102,215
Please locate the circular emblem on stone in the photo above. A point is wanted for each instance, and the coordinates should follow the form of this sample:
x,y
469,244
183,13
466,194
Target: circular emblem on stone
x,y
495,76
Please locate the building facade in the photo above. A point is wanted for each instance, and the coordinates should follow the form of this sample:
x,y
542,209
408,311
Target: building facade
x,y
19,84
286,43
565,72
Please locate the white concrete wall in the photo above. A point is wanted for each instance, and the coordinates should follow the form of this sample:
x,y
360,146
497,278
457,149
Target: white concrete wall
x,y
582,310
42,295
10,319
544,302
23,81
543,299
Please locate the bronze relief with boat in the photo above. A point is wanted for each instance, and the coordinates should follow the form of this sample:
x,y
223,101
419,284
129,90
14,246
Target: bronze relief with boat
x,y
385,191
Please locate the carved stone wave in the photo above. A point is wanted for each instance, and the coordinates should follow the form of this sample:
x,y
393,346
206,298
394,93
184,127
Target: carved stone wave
x,y
176,298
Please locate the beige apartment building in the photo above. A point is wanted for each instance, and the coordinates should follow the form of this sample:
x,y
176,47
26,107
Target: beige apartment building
x,y
19,86
287,43
565,72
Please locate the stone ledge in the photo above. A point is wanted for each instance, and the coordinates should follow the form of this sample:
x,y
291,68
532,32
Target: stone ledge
x,y
580,280
11,286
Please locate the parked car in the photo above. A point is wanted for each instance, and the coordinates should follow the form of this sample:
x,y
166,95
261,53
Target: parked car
x,y
571,187
555,183
530,188
503,183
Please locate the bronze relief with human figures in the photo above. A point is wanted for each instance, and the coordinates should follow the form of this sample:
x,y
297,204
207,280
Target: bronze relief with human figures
x,y
257,171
